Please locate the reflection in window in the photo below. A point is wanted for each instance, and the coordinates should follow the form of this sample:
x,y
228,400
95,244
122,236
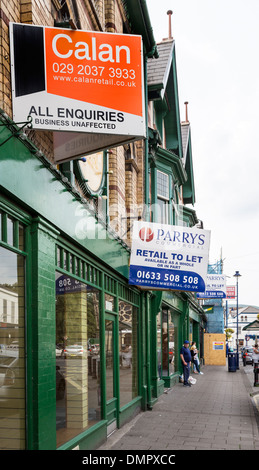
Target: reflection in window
x,y
77,357
171,333
12,362
165,344
109,302
128,352
191,331
159,359
109,354
10,229
162,211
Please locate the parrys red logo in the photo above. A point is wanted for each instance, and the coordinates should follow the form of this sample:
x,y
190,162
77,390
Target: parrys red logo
x,y
146,234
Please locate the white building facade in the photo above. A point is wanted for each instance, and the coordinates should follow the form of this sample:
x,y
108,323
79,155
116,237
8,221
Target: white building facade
x,y
246,314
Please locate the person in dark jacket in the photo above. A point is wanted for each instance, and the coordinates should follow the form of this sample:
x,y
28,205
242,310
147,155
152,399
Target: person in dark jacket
x,y
186,358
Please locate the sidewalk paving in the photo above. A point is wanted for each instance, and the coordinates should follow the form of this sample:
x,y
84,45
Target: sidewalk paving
x,y
218,412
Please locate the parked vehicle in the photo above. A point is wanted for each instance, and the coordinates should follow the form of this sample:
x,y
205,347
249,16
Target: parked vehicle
x,y
59,351
94,349
247,354
74,350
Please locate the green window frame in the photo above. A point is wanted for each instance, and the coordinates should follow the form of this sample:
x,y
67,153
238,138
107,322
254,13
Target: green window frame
x,y
13,338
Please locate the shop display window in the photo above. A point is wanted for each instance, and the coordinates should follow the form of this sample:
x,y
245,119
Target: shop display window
x,y
12,348
165,344
128,352
78,385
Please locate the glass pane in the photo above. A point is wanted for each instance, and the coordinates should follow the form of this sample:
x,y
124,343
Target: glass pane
x,y
171,346
93,344
190,331
128,352
163,184
58,257
162,211
10,226
12,362
77,357
165,352
109,341
159,358
109,302
21,237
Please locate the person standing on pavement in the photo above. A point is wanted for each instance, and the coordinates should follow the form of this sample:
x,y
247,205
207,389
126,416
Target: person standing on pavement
x,y
185,355
194,354
255,355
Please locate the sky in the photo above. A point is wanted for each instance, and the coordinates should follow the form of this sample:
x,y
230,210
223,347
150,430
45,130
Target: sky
x,y
217,68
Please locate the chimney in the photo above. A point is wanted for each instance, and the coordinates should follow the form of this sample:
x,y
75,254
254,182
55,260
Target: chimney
x,y
186,111
170,37
170,23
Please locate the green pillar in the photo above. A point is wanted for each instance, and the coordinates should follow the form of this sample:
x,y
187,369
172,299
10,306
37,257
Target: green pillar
x,y
156,301
41,337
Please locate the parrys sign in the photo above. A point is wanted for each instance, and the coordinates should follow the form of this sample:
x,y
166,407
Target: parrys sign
x,y
84,82
169,257
215,287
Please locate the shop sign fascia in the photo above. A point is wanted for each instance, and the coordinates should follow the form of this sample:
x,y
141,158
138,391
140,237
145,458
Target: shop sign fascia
x,y
86,87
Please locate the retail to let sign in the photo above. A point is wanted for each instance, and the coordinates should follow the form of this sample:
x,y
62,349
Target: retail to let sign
x,y
215,287
87,84
169,257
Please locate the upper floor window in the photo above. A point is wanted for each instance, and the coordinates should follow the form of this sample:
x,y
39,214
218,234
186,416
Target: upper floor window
x,y
162,197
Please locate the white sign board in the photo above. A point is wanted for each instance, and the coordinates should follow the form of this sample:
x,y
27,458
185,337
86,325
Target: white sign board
x,y
215,287
169,257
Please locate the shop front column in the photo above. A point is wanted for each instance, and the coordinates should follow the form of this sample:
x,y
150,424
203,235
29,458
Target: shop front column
x,y
41,337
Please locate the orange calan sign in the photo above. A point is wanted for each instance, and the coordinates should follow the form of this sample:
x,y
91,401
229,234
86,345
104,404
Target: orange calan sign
x,y
79,81
98,68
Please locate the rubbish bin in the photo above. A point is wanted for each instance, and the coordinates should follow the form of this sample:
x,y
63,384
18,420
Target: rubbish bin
x,y
232,362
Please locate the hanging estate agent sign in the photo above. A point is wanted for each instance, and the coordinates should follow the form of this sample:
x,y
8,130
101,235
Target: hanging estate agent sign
x,y
231,292
82,82
215,287
169,257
